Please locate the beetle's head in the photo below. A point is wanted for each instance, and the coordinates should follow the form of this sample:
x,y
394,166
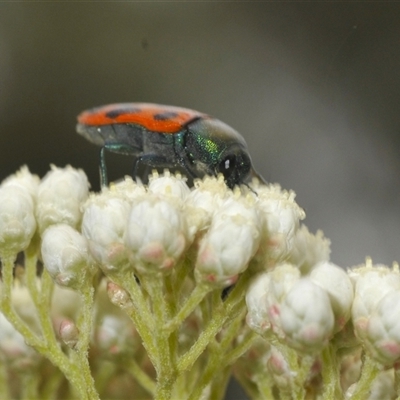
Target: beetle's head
x,y
212,147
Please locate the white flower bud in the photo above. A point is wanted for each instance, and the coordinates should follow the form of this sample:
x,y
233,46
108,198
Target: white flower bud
x,y
265,296
257,304
156,234
118,295
126,189
308,249
24,180
306,317
65,254
69,333
337,284
283,277
371,284
169,185
17,221
282,216
382,336
230,243
203,201
60,196
104,224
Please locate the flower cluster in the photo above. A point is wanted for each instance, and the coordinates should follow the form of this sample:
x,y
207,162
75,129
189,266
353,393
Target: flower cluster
x,y
164,291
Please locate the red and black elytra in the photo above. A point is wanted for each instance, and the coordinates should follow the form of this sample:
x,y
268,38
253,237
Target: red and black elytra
x,y
168,137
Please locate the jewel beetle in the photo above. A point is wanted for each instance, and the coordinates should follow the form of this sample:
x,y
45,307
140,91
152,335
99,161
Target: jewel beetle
x,y
168,137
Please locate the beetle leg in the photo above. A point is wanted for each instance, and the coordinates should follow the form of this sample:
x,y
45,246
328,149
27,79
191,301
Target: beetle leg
x,y
103,169
114,148
151,160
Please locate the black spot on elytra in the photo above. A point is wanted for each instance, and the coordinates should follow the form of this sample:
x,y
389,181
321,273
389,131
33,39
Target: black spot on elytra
x,y
165,115
120,111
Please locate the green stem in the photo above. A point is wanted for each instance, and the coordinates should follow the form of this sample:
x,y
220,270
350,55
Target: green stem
x,y
141,377
31,277
232,306
140,314
330,373
250,338
42,298
222,360
166,369
187,360
369,372
264,386
8,311
84,325
232,331
48,349
218,386
291,357
211,372
195,298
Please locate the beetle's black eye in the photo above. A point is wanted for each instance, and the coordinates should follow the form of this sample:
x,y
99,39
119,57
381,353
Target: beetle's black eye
x,y
227,166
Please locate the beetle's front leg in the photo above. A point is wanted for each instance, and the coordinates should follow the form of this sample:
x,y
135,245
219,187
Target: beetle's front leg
x,y
103,169
113,148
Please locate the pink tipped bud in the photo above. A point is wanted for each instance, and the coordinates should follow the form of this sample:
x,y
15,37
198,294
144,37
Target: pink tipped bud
x,y
69,333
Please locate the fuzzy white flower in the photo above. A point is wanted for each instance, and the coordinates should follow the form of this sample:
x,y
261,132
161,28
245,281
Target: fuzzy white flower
x,y
283,277
156,234
66,257
17,221
104,224
308,249
203,201
230,243
257,304
60,196
382,336
337,284
126,189
371,284
24,180
282,216
265,296
306,317
168,185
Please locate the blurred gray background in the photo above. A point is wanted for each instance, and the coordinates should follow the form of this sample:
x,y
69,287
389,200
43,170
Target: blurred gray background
x,y
313,87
